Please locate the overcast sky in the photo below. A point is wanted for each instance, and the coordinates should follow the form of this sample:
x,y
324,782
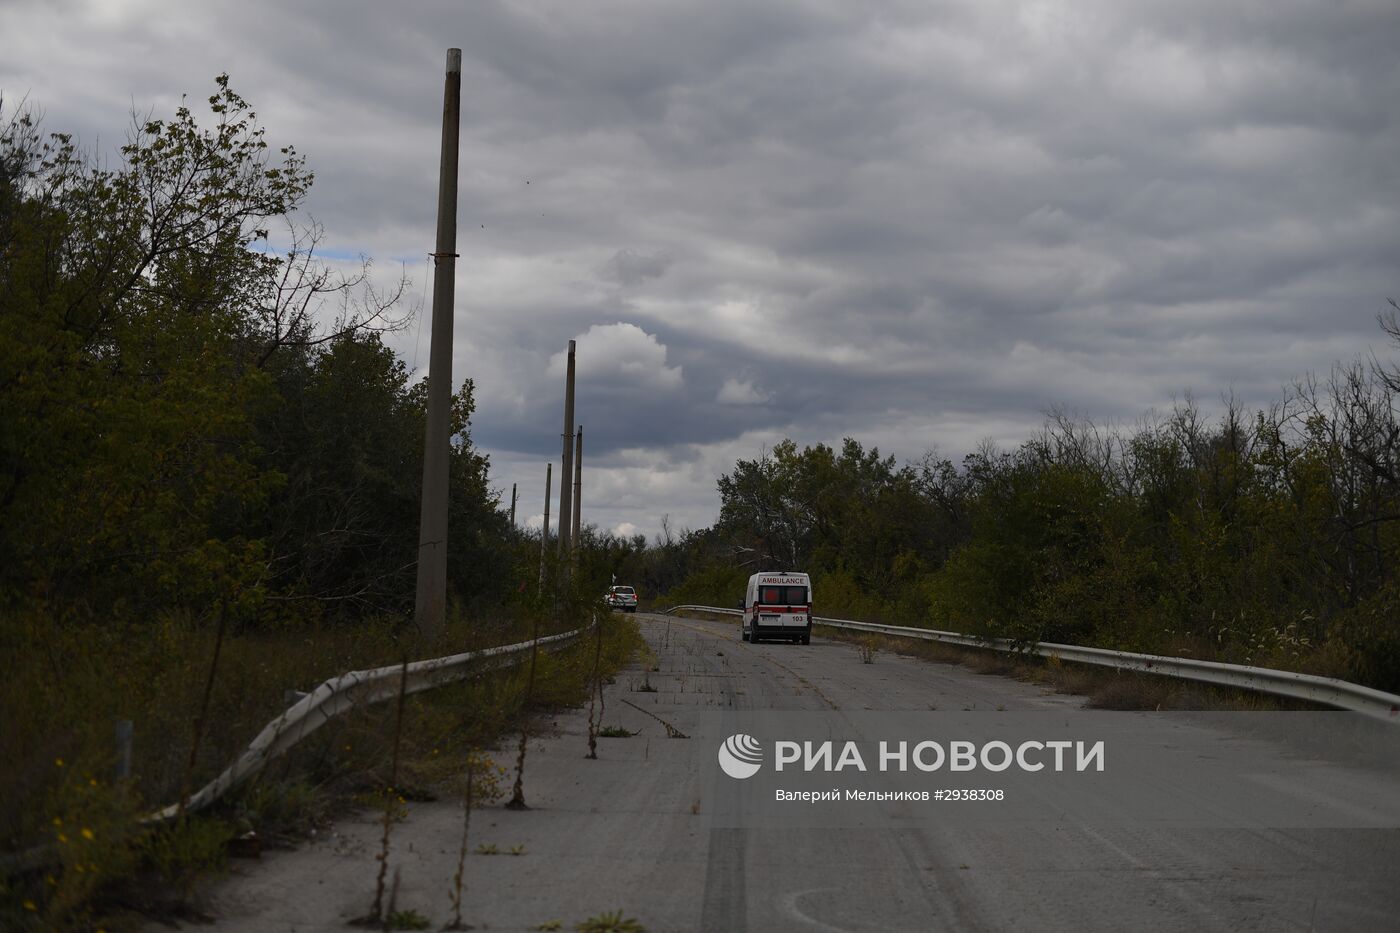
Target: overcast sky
x,y
915,223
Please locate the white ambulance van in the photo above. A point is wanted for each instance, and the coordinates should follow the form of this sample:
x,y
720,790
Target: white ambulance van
x,y
778,605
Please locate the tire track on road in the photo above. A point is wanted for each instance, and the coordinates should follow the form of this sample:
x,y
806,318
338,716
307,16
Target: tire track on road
x,y
725,904
751,651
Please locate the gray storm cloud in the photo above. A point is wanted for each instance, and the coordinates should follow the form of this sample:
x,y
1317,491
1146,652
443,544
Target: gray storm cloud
x,y
921,222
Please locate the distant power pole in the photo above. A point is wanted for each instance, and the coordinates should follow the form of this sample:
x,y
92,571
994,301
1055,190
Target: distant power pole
x,y
512,506
578,498
544,530
567,463
430,606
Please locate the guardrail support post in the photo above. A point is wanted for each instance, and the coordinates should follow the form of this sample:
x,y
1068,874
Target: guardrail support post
x,y
124,731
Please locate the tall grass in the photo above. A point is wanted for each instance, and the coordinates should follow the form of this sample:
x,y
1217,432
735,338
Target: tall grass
x,y
59,797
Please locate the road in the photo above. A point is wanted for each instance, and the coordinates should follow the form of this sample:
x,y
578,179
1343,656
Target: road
x,y
650,828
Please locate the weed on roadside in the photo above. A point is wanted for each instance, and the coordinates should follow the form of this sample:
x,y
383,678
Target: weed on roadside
x,y
1105,688
100,867
407,920
609,922
615,732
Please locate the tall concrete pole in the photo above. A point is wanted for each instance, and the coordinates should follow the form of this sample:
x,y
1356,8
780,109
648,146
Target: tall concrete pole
x,y
430,606
544,531
578,498
567,463
512,506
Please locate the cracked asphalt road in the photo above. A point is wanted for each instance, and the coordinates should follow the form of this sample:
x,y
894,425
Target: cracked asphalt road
x,y
630,831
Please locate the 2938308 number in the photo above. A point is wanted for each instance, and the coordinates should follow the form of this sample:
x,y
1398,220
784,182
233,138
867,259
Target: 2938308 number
x,y
969,793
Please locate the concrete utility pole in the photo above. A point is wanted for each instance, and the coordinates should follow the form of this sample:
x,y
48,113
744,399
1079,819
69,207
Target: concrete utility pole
x,y
512,506
430,606
567,462
544,530
578,498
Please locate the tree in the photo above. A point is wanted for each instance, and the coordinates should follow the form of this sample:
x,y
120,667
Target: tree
x,y
184,413
127,391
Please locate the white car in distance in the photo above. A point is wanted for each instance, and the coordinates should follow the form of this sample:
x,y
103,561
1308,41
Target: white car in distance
x,y
621,597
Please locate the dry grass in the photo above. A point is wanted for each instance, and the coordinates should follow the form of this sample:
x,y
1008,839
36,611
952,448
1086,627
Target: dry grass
x,y
1132,694
993,663
711,617
57,753
1105,688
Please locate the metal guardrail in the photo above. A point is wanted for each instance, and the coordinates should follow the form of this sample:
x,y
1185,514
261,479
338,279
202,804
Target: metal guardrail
x,y
311,712
343,693
1325,691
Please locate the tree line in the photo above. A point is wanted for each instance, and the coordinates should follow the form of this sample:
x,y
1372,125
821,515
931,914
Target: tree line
x,y
1268,537
190,417
195,409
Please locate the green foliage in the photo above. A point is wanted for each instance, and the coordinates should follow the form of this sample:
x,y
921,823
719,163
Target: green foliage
x,y
812,509
192,419
1270,540
1237,541
839,596
715,585
1368,638
56,783
612,921
181,851
407,920
188,416
127,399
615,732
